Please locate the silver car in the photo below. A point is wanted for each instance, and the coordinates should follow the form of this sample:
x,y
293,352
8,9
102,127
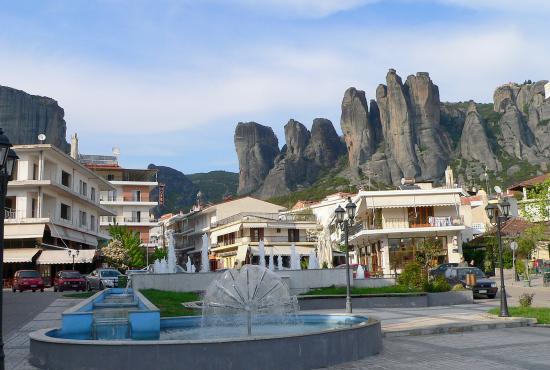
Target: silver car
x,y
102,278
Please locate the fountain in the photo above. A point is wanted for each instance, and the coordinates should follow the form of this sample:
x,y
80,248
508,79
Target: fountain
x,y
312,262
205,263
294,258
252,296
171,260
360,275
271,264
261,253
279,262
189,267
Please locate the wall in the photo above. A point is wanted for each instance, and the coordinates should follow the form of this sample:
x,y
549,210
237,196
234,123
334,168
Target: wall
x,y
299,281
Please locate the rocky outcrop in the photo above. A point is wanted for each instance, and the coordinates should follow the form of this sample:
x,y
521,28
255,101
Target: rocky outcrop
x,y
359,133
474,144
325,147
257,147
23,117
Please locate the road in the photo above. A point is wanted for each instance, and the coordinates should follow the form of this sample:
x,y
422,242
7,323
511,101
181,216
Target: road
x,y
20,308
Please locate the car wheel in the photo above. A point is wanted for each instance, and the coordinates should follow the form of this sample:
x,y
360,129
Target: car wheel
x,y
33,290
60,289
42,290
20,290
101,287
54,289
13,290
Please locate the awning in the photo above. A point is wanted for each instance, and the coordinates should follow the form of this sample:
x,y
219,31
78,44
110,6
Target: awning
x,y
404,201
241,253
22,231
283,250
61,257
74,235
19,255
225,230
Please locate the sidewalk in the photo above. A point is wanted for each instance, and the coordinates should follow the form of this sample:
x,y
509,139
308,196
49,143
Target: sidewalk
x,y
16,347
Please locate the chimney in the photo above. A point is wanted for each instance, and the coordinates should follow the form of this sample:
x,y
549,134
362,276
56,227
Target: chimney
x,y
74,146
449,177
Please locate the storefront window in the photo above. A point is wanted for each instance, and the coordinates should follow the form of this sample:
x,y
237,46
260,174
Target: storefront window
x,y
404,250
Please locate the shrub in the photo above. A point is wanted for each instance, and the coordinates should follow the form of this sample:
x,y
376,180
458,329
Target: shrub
x,y
412,276
437,285
458,288
526,299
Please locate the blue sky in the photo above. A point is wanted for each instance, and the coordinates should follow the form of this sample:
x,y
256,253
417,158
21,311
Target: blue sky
x,y
166,81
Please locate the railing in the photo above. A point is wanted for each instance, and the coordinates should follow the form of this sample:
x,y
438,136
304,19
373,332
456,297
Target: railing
x,y
111,220
113,198
12,214
269,240
255,216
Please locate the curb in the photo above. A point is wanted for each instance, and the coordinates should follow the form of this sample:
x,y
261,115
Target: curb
x,y
458,328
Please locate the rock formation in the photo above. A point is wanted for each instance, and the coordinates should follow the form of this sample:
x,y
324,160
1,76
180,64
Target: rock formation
x,y
474,144
23,117
257,147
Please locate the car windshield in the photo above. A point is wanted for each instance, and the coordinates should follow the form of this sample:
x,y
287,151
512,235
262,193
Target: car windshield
x,y
110,273
29,274
71,275
477,272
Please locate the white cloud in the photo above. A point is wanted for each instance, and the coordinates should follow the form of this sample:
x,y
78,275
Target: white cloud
x,y
523,6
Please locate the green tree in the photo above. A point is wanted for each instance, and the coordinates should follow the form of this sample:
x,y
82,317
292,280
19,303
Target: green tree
x,y
427,253
159,254
527,242
115,254
131,242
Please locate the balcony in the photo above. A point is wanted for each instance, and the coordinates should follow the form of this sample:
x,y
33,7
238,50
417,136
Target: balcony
x,y
128,220
388,224
12,214
255,216
268,240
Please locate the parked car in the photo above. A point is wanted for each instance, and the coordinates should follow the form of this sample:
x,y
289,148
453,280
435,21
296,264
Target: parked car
x,y
69,280
27,280
102,278
354,267
440,270
483,286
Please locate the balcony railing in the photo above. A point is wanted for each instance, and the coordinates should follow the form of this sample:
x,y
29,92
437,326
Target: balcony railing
x,y
405,223
112,220
270,240
255,216
12,214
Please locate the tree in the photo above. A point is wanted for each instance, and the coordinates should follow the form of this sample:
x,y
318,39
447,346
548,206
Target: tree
x,y
131,242
427,253
159,254
538,207
527,242
116,254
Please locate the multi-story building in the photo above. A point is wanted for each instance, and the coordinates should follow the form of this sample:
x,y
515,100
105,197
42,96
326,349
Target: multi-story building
x,y
391,223
129,198
235,239
190,227
52,203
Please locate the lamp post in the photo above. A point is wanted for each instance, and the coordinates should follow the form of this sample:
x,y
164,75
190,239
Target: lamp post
x,y
498,213
73,253
345,225
7,164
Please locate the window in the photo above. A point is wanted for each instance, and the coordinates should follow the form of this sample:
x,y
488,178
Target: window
x,y
136,196
293,235
83,188
34,202
226,239
136,216
65,179
65,212
419,216
256,235
83,218
92,194
110,177
92,223
35,171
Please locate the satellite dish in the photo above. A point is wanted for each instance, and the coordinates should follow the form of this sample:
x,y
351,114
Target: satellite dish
x,y
41,138
116,151
498,190
402,181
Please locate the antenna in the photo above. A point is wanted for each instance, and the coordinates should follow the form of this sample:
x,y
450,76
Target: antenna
x,y
116,151
41,138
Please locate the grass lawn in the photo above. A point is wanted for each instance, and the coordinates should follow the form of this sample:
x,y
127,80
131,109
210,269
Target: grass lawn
x,y
542,314
170,303
79,295
342,290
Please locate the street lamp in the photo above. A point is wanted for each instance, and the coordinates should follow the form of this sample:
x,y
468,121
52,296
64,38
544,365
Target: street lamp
x,y
7,164
498,213
344,225
73,253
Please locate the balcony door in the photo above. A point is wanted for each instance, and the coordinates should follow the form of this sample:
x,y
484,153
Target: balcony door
x,y
256,235
420,216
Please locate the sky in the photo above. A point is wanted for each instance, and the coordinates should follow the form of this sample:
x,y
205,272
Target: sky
x,y
167,81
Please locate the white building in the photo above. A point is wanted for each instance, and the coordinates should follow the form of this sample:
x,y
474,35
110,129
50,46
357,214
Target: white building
x,y
547,90
52,201
391,223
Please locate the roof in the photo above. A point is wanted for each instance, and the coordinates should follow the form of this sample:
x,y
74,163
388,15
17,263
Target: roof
x,y
530,182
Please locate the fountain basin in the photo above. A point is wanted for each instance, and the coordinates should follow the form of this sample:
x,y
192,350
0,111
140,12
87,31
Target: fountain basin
x,y
330,341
